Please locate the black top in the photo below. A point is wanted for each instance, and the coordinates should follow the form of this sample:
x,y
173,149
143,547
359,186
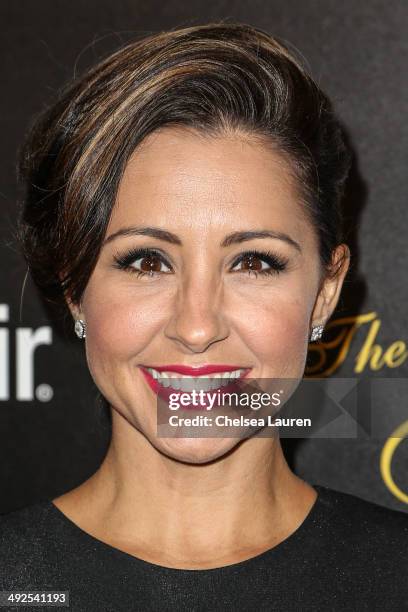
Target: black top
x,y
348,555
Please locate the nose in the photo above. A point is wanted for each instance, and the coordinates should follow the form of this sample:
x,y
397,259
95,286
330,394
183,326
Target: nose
x,y
197,319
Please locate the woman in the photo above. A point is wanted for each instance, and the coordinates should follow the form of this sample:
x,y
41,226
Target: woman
x,y
183,204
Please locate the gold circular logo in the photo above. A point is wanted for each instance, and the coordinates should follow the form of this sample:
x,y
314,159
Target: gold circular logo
x,y
387,453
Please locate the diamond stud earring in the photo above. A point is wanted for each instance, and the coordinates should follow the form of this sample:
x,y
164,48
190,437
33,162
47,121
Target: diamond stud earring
x,y
80,328
317,333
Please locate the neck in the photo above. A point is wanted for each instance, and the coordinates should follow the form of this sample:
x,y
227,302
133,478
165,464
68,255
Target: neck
x,y
236,506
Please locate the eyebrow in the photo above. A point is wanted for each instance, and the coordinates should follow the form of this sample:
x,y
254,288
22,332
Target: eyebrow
x,y
234,238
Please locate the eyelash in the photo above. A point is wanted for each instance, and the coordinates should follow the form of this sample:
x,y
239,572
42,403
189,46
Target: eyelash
x,y
277,264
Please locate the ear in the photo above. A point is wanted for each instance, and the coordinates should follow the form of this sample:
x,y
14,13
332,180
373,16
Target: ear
x,y
331,285
75,309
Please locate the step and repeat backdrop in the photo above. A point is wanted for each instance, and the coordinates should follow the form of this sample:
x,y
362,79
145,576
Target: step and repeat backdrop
x,y
55,427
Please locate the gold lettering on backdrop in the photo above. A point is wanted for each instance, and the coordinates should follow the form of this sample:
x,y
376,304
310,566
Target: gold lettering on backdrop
x,y
387,453
371,354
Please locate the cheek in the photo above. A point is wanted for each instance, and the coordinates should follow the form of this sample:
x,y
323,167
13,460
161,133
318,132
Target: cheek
x,y
119,325
276,328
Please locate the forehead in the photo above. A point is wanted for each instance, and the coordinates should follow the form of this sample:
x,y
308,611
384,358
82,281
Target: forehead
x,y
177,175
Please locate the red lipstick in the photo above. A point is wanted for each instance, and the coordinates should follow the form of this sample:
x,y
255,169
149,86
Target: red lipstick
x,y
164,392
196,370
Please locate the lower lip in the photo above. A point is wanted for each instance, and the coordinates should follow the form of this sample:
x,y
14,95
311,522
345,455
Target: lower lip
x,y
165,392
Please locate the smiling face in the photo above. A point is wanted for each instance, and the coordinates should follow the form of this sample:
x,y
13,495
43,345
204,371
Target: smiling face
x,y
227,273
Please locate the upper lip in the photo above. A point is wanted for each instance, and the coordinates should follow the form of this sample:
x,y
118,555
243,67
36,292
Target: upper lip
x,y
197,370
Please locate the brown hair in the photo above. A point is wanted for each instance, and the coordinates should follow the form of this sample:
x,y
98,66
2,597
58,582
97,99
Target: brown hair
x,y
212,78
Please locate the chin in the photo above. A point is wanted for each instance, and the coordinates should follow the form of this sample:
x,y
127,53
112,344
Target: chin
x,y
196,450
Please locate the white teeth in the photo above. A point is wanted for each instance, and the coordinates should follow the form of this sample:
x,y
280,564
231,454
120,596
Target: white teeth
x,y
189,383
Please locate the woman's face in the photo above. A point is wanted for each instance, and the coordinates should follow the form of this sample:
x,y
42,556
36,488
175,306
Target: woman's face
x,y
208,203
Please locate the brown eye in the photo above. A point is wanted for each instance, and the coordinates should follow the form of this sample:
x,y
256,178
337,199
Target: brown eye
x,y
150,263
260,263
251,262
142,262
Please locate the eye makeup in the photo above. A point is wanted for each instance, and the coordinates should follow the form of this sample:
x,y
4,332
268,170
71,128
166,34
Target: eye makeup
x,y
152,256
276,263
153,260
